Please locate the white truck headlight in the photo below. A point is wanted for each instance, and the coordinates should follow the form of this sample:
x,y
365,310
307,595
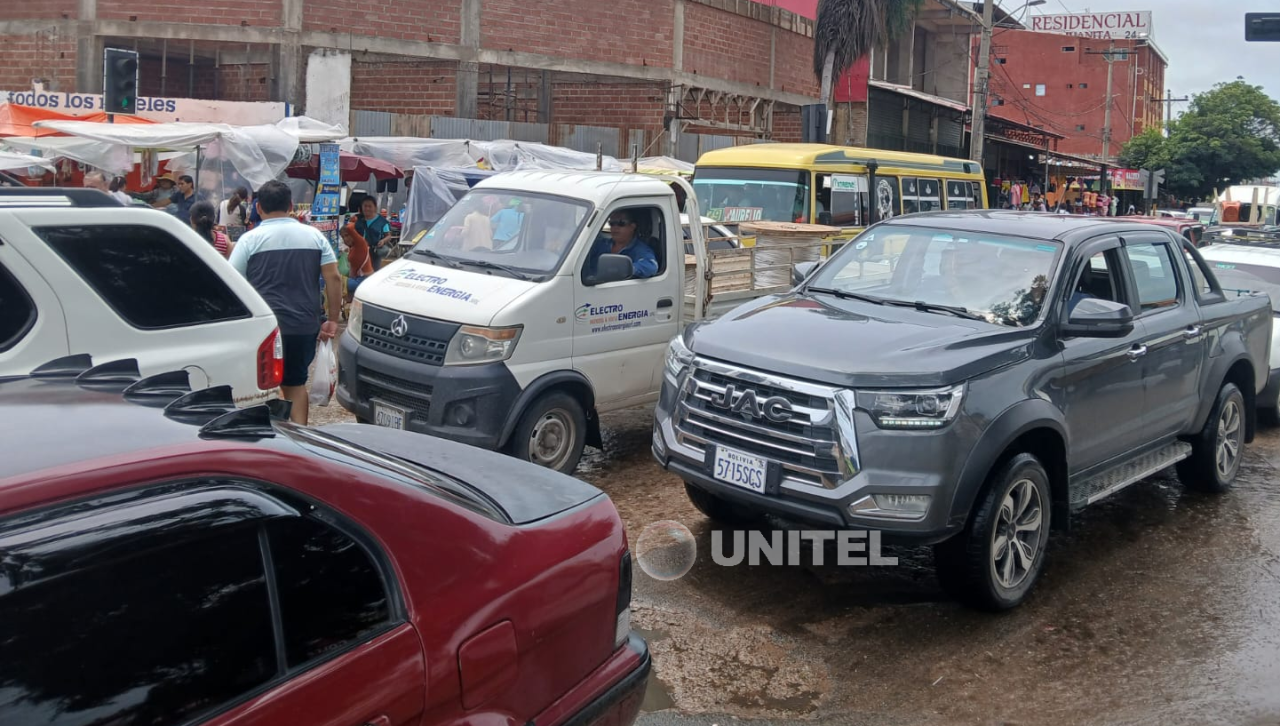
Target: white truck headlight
x,y
355,319
678,357
473,344
912,409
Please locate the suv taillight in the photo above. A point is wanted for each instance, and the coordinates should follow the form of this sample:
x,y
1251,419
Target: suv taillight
x,y
271,361
622,622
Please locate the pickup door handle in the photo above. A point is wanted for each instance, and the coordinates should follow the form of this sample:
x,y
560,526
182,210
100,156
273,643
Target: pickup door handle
x,y
665,302
1192,332
1137,352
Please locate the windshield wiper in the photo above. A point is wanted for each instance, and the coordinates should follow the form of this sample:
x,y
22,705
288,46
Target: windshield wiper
x,y
846,295
447,261
495,266
925,307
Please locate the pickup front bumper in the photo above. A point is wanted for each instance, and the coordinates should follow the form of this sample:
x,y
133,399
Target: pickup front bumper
x,y
922,463
468,404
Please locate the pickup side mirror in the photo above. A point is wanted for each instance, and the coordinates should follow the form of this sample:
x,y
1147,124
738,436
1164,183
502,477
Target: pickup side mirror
x,y
802,270
612,268
1096,318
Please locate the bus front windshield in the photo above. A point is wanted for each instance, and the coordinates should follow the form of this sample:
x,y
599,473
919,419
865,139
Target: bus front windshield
x,y
753,195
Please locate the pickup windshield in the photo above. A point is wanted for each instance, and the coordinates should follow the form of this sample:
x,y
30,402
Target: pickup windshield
x,y
751,195
1000,279
506,231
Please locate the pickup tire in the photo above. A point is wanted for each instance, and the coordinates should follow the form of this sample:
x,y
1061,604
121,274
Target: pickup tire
x,y
995,562
552,432
719,510
1216,451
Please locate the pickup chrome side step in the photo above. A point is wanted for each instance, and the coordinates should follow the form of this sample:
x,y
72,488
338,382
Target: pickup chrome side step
x,y
1130,472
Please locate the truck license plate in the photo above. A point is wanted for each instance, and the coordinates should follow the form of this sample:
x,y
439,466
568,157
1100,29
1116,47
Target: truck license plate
x,y
744,470
388,416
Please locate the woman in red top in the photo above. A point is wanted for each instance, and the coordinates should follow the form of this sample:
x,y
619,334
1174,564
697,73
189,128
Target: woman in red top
x,y
357,256
202,222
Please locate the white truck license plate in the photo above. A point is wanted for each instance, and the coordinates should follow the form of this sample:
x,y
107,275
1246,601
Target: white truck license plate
x,y
388,416
744,470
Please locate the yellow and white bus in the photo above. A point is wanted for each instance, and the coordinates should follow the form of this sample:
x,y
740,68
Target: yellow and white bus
x,y
832,185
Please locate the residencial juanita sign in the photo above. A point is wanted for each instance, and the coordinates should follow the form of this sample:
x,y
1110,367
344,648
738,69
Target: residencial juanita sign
x,y
1113,26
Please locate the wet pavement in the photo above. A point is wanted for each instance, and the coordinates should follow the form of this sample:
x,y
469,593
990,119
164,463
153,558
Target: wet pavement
x,y
1160,606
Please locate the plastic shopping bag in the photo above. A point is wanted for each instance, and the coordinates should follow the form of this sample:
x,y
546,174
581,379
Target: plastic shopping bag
x,y
325,378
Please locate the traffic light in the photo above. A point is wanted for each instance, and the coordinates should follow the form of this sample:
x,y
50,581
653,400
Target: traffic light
x,y
120,81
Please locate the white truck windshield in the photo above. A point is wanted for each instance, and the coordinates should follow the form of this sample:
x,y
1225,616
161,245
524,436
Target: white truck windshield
x,y
517,230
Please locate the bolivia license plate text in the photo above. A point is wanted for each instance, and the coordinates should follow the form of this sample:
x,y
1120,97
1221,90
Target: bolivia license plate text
x,y
388,416
741,469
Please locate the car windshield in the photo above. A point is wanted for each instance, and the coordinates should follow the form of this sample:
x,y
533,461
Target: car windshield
x,y
1237,279
520,231
753,195
1001,279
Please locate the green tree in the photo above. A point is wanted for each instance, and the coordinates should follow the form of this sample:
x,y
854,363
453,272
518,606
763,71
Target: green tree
x,y
846,30
1230,135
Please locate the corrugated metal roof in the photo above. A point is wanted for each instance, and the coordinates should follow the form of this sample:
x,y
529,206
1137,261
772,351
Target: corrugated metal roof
x,y
920,95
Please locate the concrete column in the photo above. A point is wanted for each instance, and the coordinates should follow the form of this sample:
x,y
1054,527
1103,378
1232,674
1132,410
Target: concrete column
x,y
773,58
545,89
88,50
672,145
468,85
287,58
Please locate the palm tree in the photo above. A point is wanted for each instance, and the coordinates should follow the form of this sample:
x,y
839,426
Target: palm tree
x,y
846,30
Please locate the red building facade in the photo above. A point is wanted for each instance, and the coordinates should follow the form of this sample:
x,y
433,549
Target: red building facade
x,y
1059,83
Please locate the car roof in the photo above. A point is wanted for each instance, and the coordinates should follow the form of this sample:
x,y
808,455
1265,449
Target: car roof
x,y
597,187
1039,225
74,412
1172,222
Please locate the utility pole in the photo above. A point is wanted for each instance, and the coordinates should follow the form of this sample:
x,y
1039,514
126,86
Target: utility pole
x,y
1106,122
1168,101
981,83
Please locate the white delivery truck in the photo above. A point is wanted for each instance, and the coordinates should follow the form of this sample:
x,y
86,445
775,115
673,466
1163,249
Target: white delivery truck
x,y
510,325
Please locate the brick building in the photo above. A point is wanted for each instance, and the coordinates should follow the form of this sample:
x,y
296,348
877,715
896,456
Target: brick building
x,y
1059,83
643,67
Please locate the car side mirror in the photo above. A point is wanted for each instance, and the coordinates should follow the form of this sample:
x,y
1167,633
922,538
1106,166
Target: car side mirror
x,y
1096,318
824,218
802,270
612,268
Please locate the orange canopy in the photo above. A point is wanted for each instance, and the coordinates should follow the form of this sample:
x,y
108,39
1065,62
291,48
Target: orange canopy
x,y
18,120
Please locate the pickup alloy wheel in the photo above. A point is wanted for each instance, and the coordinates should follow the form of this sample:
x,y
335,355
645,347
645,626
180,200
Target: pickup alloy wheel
x,y
1216,452
995,562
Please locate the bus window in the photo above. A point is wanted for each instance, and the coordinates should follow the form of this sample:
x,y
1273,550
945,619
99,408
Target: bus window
x,y
920,195
736,195
886,196
845,197
960,195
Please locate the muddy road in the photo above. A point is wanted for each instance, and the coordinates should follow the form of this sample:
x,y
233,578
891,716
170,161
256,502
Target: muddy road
x,y
1161,606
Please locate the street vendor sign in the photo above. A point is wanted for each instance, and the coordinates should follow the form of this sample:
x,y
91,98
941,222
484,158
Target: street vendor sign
x,y
1118,25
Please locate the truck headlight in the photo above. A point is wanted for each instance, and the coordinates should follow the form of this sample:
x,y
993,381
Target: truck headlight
x,y
678,357
355,319
472,345
931,409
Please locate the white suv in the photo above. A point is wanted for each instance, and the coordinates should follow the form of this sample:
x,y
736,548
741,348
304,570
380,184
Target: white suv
x,y
79,275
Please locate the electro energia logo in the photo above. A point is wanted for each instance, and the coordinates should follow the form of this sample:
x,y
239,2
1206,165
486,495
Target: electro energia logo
x,y
583,312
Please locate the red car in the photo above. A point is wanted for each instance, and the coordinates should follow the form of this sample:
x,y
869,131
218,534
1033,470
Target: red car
x,y
167,558
1190,228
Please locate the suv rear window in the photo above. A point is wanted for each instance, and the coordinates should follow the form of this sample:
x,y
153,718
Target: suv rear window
x,y
19,312
149,277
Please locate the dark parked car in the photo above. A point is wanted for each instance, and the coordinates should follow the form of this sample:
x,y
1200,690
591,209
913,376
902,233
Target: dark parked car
x,y
167,558
968,379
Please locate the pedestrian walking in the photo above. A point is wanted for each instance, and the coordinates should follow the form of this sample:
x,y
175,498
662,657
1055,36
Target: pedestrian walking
x,y
233,214
202,223
285,260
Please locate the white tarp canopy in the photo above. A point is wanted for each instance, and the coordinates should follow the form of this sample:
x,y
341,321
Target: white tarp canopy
x,y
434,192
10,161
115,159
311,131
257,153
410,152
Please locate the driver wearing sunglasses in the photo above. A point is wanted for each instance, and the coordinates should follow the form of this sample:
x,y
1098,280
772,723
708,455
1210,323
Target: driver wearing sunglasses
x,y
624,239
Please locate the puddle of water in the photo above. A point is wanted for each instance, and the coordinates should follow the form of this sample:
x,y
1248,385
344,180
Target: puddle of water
x,y
657,694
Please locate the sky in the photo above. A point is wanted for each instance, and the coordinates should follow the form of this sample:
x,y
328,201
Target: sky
x,y
1203,39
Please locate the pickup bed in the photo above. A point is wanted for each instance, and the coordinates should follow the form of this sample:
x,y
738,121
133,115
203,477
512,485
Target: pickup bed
x,y
968,380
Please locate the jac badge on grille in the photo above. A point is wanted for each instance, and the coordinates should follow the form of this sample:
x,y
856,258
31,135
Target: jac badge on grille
x,y
774,408
399,326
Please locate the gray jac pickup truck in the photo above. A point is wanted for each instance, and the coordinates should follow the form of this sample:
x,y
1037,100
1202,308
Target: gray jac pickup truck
x,y
968,380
